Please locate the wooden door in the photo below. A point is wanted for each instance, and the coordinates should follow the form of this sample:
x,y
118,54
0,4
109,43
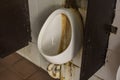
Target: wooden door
x,y
100,15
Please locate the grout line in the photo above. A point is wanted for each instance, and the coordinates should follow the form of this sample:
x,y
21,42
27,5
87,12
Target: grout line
x,y
17,61
18,74
31,74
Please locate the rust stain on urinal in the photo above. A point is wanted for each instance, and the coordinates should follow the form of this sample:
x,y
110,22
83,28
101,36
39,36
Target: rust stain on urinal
x,y
69,68
66,33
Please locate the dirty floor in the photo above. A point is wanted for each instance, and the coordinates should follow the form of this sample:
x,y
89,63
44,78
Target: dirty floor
x,y
15,67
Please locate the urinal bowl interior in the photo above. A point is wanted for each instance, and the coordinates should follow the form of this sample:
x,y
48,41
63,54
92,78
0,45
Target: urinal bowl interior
x,y
60,36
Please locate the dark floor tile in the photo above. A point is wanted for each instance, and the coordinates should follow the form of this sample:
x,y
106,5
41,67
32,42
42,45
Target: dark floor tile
x,y
40,75
2,67
15,67
9,75
11,59
24,68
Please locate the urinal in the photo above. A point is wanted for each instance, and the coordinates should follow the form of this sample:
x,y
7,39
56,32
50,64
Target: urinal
x,y
61,36
118,74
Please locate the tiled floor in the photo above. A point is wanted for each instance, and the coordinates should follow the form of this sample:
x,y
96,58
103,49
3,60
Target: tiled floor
x,y
15,67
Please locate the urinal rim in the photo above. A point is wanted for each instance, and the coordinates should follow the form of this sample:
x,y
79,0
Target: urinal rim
x,y
70,15
52,16
118,73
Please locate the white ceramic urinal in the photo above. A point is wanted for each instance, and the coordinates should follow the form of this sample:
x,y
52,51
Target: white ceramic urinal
x,y
118,74
61,36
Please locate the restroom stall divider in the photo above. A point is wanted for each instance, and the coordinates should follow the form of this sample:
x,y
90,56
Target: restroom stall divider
x,y
100,15
14,26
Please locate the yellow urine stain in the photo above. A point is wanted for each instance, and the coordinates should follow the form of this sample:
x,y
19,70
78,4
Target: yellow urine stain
x,y
66,33
62,78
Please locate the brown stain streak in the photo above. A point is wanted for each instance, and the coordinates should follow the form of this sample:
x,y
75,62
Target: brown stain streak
x,y
66,33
